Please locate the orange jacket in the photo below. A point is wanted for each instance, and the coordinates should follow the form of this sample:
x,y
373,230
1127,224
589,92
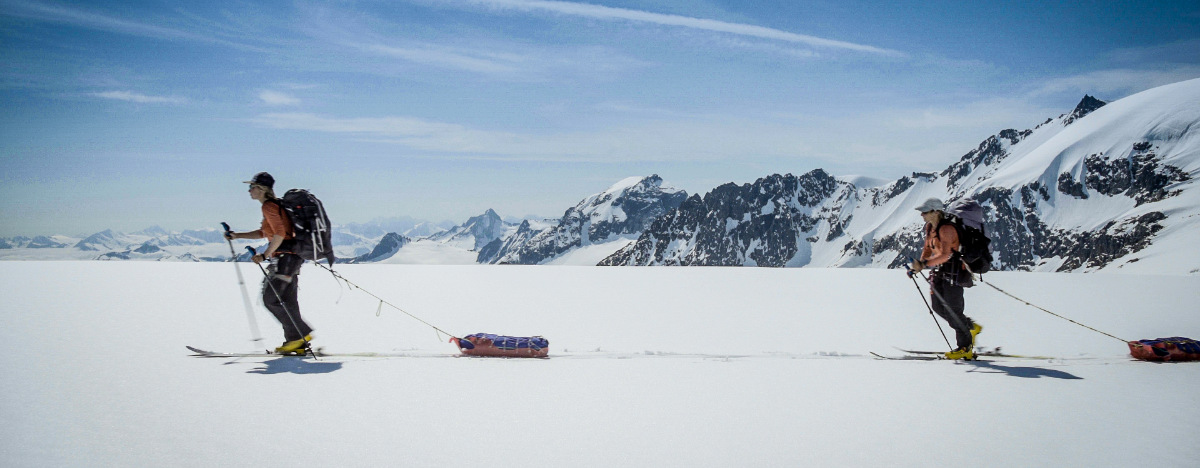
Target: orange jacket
x,y
275,222
939,246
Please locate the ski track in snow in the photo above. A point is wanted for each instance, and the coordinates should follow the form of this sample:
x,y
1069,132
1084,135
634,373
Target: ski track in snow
x,y
648,367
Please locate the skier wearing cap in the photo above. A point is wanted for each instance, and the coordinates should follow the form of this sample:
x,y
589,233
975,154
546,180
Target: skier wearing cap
x,y
281,285
947,277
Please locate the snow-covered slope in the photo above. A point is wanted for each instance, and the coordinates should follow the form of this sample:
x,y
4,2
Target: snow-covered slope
x,y
684,367
1105,187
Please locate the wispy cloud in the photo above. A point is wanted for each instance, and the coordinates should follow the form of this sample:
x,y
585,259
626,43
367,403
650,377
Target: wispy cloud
x,y
1117,83
657,140
140,98
447,57
623,14
99,21
276,98
413,132
387,42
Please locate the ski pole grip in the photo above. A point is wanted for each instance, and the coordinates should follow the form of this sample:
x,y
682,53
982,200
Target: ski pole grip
x,y
252,251
226,226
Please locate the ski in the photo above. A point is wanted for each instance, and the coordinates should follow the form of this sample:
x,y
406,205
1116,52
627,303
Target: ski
x,y
910,357
995,352
318,352
214,354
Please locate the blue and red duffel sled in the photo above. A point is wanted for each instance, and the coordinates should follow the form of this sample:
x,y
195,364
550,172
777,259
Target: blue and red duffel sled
x,y
1166,349
489,345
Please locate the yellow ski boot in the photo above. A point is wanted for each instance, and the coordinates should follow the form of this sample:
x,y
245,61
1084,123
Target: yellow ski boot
x,y
961,353
295,346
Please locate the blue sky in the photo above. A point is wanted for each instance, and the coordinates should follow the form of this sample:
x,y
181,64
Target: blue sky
x,y
149,113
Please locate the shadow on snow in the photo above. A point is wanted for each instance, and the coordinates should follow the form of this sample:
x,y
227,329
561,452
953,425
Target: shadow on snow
x,y
1023,372
284,365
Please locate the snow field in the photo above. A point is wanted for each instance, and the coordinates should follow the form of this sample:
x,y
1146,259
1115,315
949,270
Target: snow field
x,y
648,367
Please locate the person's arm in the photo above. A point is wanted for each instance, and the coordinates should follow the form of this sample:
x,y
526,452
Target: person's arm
x,y
276,240
255,234
920,263
947,245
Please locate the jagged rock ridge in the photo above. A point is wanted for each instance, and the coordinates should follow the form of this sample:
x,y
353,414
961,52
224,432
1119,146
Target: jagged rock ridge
x,y
625,209
1091,189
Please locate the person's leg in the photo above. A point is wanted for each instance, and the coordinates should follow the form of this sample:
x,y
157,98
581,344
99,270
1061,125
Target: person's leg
x,y
279,298
288,271
291,300
948,303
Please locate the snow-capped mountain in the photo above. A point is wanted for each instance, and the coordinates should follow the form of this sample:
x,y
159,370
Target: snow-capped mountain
x,y
477,232
403,225
108,240
387,247
423,229
765,223
45,242
1102,187
625,209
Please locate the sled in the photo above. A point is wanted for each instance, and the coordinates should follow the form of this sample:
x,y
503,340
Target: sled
x,y
1166,349
489,345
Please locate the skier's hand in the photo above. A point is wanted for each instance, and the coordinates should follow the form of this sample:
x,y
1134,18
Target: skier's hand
x,y
258,258
229,235
917,266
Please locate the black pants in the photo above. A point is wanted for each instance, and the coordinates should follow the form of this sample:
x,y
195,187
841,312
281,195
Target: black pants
x,y
948,302
280,296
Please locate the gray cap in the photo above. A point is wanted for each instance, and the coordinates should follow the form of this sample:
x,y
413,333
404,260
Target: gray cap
x,y
932,204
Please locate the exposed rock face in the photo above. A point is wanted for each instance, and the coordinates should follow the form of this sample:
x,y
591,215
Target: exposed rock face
x,y
387,247
625,209
1077,212
474,234
763,224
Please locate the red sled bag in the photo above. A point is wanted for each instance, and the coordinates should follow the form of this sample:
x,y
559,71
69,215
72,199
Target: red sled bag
x,y
489,345
1166,349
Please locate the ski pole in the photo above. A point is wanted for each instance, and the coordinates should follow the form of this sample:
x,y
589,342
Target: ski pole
x,y
255,336
927,306
267,278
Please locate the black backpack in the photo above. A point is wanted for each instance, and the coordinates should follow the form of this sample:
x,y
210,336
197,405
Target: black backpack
x,y
974,245
310,225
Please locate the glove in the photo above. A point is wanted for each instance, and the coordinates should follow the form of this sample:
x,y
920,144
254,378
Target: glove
x,y
917,266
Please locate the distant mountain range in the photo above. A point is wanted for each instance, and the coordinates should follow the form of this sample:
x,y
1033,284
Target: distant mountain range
x,y
1104,187
1107,186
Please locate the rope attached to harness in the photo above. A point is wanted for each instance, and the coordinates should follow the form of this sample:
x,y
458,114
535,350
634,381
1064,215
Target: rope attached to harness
x,y
1006,293
383,302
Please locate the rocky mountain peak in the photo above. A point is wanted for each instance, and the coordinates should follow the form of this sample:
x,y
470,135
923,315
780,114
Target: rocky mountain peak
x,y
624,209
1085,107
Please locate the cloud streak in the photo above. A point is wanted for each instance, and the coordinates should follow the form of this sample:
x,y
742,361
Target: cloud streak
x,y
140,98
622,14
276,98
1117,83
101,22
656,140
443,57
